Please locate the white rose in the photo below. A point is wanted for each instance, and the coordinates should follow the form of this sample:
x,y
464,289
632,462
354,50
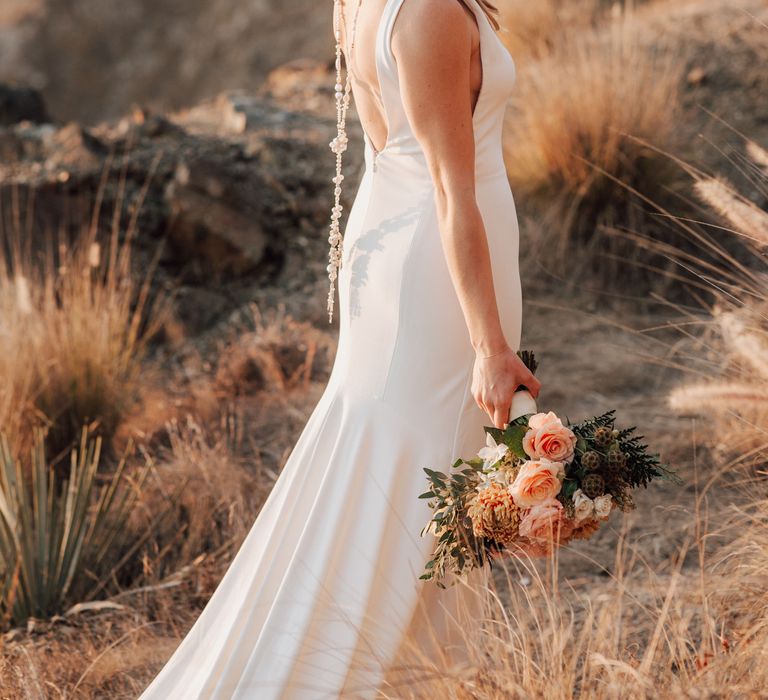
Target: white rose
x,y
603,506
583,505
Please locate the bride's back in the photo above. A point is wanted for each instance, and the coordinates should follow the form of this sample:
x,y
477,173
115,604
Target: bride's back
x,y
361,60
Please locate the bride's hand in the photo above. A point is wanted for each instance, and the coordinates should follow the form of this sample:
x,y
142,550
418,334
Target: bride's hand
x,y
495,380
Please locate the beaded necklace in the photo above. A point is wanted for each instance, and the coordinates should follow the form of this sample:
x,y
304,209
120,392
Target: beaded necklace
x,y
338,146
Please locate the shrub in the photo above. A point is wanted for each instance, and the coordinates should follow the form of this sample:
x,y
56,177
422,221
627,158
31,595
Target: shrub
x,y
74,327
210,494
578,140
531,30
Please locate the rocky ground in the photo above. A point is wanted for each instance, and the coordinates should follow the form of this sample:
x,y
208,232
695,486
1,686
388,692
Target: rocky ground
x,y
232,192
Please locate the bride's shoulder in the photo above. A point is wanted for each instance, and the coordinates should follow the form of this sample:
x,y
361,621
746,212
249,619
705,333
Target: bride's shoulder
x,y
427,20
429,12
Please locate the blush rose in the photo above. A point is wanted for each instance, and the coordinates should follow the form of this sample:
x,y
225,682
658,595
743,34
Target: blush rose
x,y
547,437
545,521
537,481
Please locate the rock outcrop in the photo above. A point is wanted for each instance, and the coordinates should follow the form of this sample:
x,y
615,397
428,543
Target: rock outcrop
x,y
234,192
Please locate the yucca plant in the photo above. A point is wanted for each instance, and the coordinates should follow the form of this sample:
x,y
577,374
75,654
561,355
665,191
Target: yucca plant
x,y
59,538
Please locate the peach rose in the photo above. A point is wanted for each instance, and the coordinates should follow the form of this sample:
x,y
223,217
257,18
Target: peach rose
x,y
537,481
548,437
545,522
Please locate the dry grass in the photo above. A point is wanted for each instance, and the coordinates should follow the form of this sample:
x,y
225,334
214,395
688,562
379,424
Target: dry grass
x,y
532,30
75,324
577,138
735,393
641,634
215,494
638,632
207,485
690,625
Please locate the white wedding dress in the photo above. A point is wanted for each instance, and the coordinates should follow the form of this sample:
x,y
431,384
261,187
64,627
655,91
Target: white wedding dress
x,y
325,587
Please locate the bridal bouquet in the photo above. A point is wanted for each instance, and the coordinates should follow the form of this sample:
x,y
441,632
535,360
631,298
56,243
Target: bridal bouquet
x,y
537,484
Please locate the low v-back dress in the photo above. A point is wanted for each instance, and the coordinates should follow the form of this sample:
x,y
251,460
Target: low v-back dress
x,y
325,588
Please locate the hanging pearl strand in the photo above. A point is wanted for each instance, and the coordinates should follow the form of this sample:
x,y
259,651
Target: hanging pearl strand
x,y
338,146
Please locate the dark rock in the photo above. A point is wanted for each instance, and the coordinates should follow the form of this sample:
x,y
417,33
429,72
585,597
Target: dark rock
x,y
74,146
215,216
302,85
19,103
198,307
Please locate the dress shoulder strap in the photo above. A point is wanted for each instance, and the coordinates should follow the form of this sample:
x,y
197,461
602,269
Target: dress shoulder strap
x,y
385,59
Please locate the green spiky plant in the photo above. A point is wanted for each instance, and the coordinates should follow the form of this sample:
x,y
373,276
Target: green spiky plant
x,y
58,537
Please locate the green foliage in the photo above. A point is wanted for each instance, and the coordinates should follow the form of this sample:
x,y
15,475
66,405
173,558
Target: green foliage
x,y
586,429
624,461
641,466
511,436
456,548
56,533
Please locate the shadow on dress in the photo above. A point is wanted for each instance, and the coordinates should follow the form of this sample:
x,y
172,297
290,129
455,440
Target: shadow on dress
x,y
367,243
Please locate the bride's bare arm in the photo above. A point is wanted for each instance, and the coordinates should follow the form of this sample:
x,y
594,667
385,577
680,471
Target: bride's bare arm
x,y
433,44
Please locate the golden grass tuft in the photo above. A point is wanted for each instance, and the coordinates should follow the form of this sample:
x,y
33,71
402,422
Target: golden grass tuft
x,y
580,139
531,30
76,324
736,398
211,495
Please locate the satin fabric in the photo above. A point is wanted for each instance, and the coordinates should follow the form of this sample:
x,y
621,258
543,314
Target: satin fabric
x,y
323,595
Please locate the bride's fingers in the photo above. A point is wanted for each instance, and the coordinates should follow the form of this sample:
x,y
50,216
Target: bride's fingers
x,y
499,419
504,411
533,385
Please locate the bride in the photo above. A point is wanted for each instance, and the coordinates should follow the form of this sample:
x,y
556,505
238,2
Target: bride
x,y
323,599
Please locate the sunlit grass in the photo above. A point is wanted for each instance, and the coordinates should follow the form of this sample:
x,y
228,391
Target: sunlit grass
x,y
576,140
75,323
